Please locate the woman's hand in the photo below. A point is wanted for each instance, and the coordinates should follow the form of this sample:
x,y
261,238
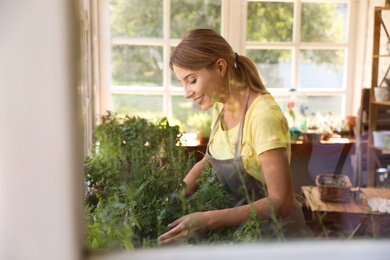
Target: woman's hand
x,y
186,227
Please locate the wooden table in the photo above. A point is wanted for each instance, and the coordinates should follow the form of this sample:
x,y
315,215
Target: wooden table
x,y
349,214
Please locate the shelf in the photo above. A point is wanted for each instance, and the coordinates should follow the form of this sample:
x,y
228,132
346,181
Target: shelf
x,y
383,122
381,103
379,117
380,56
384,150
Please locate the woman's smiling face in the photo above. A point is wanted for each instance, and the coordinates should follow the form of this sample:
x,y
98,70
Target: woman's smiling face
x,y
205,86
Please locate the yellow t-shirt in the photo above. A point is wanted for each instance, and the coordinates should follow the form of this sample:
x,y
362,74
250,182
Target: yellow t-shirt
x,y
265,128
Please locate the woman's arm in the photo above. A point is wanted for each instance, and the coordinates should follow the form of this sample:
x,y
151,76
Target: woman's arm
x,y
279,201
277,174
192,176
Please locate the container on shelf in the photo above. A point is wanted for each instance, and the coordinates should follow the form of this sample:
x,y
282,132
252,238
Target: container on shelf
x,y
381,139
382,94
383,178
333,187
311,137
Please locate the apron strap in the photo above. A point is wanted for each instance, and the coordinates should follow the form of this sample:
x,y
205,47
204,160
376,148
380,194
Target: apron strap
x,y
239,137
216,125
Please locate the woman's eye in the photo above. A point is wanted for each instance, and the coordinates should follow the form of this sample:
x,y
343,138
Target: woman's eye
x,y
193,82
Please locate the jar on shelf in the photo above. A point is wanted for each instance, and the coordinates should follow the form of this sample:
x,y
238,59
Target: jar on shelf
x,y
383,177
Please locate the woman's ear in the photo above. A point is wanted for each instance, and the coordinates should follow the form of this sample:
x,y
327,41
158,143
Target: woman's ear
x,y
222,67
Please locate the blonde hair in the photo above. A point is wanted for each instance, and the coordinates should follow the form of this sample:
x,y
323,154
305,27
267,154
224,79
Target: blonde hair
x,y
201,48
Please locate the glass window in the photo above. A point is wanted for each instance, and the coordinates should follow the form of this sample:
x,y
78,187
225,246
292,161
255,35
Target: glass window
x,y
183,109
324,22
146,106
270,21
175,83
274,66
189,14
305,106
296,45
301,46
321,69
323,105
134,18
137,65
142,82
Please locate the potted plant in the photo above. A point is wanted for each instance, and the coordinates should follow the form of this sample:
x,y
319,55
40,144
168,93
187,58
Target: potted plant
x,y
201,122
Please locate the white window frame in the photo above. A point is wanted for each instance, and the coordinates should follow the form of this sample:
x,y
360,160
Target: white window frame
x,y
90,80
347,89
233,28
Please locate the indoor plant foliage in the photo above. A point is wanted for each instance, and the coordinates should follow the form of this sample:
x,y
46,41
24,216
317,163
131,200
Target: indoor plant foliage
x,y
202,124
134,187
133,168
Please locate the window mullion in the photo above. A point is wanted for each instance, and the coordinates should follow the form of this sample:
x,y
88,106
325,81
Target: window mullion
x,y
234,23
296,44
167,104
105,57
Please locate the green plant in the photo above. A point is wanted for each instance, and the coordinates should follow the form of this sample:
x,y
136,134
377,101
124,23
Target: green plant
x,y
109,226
134,189
201,122
134,186
134,166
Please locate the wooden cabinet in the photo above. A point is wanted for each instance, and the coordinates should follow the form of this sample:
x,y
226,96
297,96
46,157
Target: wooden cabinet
x,y
379,112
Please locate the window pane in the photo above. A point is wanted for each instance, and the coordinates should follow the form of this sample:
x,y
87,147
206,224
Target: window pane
x,y
270,21
134,18
324,105
182,108
305,106
137,65
190,14
146,106
324,112
174,81
321,68
324,22
274,67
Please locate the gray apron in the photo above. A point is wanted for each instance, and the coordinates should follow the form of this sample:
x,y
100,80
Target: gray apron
x,y
243,187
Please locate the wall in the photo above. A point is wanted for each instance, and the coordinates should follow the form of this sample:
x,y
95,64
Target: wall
x,y
40,151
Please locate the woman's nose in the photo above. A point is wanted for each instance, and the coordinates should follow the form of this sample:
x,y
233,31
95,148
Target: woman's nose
x,y
188,93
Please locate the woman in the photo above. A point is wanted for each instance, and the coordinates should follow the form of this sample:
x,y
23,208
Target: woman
x,y
249,147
